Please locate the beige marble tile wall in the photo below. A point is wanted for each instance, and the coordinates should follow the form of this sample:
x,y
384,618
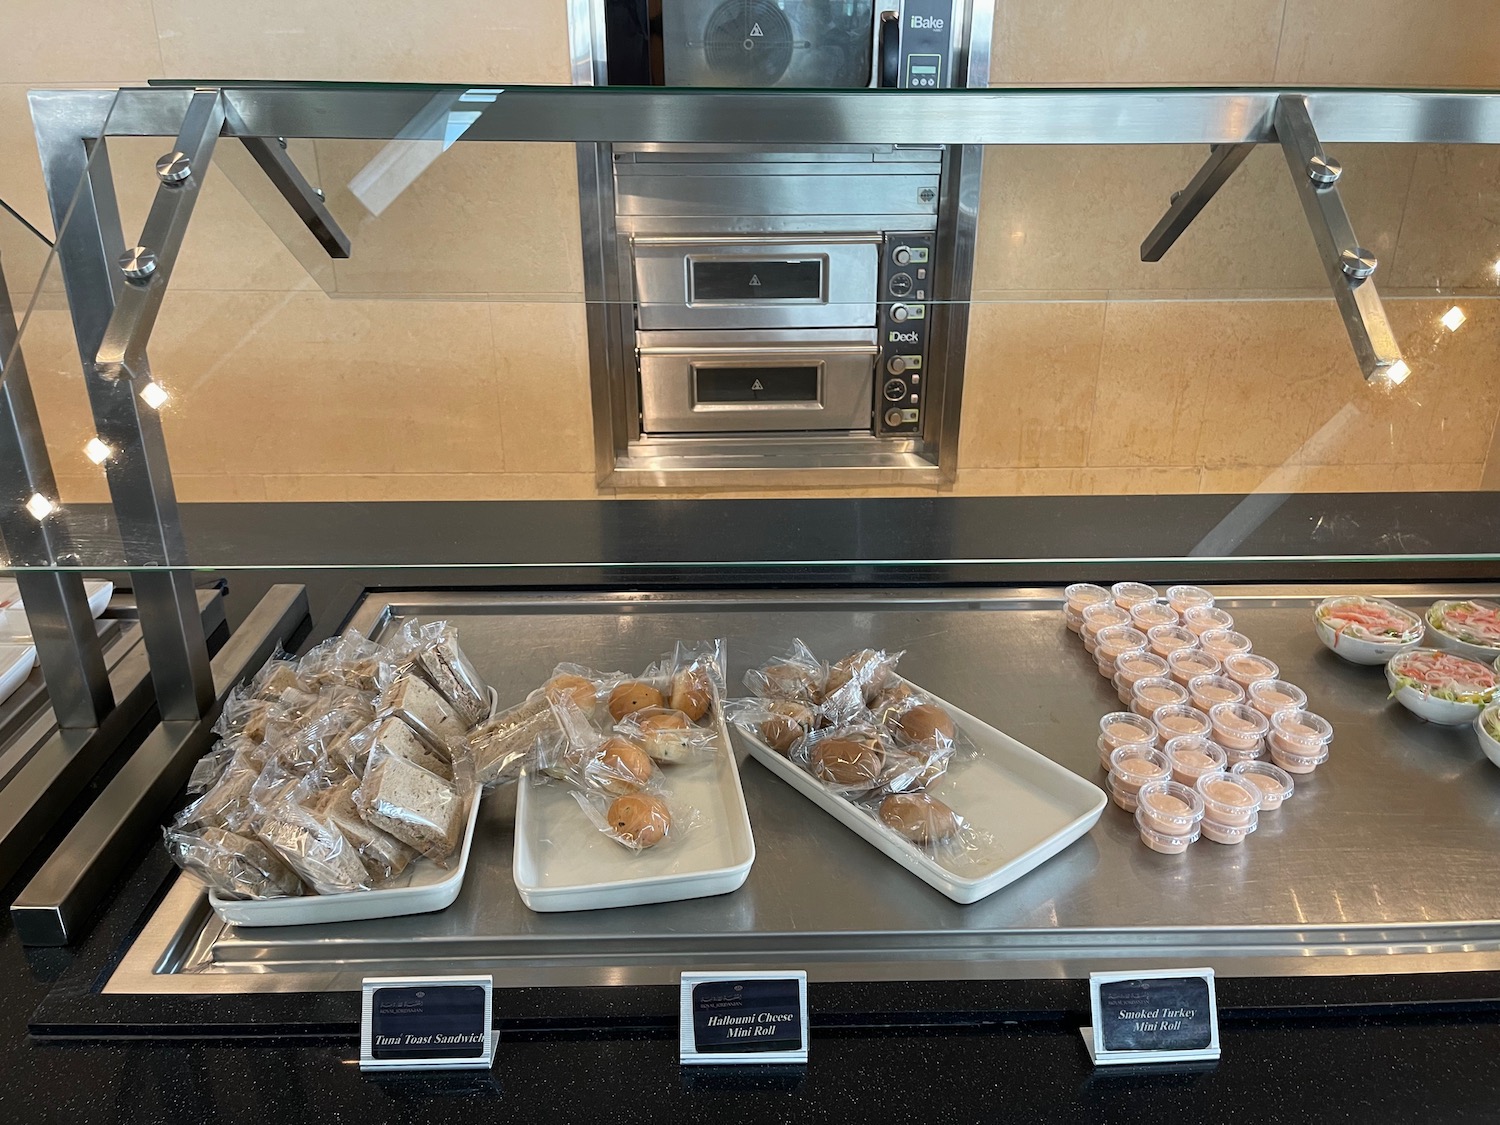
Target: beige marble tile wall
x,y
1221,368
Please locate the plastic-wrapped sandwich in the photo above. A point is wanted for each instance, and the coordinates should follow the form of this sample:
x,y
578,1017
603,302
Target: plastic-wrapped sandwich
x,y
415,805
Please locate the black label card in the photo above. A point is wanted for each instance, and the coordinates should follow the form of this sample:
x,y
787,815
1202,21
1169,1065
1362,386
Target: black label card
x,y
428,1022
747,1015
1155,1014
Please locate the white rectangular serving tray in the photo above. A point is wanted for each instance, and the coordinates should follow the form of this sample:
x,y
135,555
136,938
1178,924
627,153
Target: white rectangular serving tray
x,y
1028,806
421,889
16,663
562,862
15,627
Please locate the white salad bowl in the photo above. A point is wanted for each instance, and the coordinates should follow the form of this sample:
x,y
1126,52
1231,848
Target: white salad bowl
x,y
1444,712
1361,650
1439,639
1487,741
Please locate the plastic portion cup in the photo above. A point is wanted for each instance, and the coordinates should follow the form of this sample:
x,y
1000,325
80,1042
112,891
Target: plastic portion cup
x,y
1246,668
1127,594
1225,833
1148,615
1114,642
1299,740
1098,617
1270,696
1224,643
1167,639
1185,663
1184,598
1274,783
1131,767
1201,619
1179,721
1229,801
1121,728
1207,692
1153,692
1081,595
1168,807
1073,619
1161,842
1192,757
1238,727
1134,667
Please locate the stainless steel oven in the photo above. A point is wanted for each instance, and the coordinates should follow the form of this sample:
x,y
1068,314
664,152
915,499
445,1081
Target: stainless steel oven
x,y
793,309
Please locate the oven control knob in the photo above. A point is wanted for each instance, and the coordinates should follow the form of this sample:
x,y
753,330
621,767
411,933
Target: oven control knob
x,y
895,390
902,256
899,313
896,365
893,418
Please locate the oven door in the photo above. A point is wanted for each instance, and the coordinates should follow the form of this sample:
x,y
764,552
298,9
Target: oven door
x,y
756,282
757,382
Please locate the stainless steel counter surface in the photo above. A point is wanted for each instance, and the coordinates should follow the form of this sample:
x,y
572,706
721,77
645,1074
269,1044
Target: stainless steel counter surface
x,y
1385,860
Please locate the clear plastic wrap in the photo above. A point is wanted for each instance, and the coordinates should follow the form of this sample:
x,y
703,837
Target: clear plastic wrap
x,y
872,671
798,676
434,648
503,744
639,821
695,676
668,736
349,660
383,855
779,723
392,736
418,807
849,759
225,804
310,844
231,865
416,703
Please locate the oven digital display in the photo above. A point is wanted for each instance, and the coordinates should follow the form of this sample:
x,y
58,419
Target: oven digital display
x,y
755,384
741,280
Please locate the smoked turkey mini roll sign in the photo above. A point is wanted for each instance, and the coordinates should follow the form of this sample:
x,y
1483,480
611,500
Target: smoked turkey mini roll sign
x,y
1153,1016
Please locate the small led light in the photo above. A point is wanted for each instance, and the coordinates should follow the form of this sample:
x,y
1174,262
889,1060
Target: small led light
x,y
1453,318
153,396
1397,372
39,506
97,452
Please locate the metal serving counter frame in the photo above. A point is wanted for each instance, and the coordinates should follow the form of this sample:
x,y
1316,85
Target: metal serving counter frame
x,y
1382,863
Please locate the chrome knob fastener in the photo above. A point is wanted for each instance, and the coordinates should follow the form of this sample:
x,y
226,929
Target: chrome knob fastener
x,y
138,263
1324,170
1358,263
173,168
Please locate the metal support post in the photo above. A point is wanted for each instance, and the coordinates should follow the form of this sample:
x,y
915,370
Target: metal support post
x,y
1187,203
306,200
67,641
81,195
1349,266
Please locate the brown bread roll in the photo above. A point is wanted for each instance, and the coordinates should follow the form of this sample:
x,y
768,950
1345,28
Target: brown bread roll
x,y
577,688
852,762
631,697
788,721
619,767
640,820
926,722
691,694
918,817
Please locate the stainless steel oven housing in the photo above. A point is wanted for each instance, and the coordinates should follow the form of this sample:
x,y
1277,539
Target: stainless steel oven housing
x,y
638,200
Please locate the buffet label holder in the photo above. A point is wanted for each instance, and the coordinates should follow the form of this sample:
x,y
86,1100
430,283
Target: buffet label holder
x,y
427,1023
1152,1016
754,1018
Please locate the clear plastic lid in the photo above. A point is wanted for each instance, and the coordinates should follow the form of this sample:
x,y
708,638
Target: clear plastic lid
x,y
1127,594
1184,598
1191,756
1437,672
1221,833
1180,720
1275,784
1081,594
1201,619
1245,668
1139,665
1165,639
1147,615
1117,640
1103,616
1138,765
1169,806
1122,728
1185,663
1237,725
1302,732
1207,692
1369,619
1228,798
1224,643
1164,842
1152,692
1271,696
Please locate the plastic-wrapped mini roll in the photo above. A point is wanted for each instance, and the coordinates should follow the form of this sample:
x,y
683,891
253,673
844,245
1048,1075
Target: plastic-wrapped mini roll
x,y
638,821
848,759
618,766
799,676
919,818
668,736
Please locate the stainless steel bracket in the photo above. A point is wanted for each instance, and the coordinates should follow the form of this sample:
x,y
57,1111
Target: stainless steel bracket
x,y
306,200
1348,265
1187,203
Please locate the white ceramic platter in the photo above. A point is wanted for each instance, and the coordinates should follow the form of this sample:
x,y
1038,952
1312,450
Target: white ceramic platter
x,y
1029,808
14,626
562,862
16,663
421,889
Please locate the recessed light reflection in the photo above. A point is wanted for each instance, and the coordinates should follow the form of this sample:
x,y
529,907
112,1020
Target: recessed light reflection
x,y
39,506
1453,319
1397,372
97,452
153,396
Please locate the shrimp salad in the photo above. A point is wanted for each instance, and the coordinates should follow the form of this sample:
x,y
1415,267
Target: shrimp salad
x,y
1442,675
1369,619
1473,622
